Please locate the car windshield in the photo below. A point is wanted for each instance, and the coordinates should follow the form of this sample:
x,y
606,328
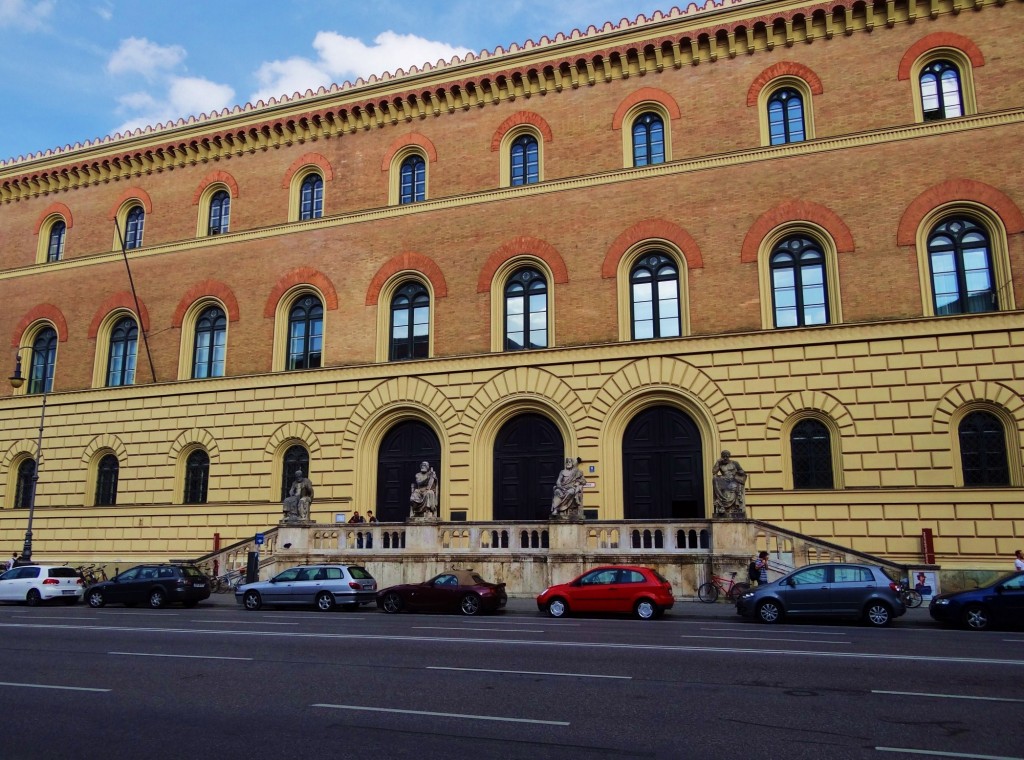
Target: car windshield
x,y
359,573
191,572
1006,579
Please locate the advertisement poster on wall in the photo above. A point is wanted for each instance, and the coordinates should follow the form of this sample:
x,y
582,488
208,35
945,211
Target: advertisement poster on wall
x,y
925,583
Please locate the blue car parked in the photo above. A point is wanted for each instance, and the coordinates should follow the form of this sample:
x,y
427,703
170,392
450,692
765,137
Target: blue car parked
x,y
999,603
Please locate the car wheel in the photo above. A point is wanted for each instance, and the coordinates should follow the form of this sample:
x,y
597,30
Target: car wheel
x,y
391,602
708,592
878,614
470,604
976,618
325,601
252,600
645,609
558,607
769,611
33,599
157,598
95,598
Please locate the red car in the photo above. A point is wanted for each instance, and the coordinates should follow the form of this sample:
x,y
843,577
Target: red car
x,y
462,591
613,588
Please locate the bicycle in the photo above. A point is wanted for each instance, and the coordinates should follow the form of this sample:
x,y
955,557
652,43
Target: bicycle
x,y
910,597
227,583
710,591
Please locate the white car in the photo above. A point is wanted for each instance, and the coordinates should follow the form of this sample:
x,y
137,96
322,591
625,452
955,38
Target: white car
x,y
34,584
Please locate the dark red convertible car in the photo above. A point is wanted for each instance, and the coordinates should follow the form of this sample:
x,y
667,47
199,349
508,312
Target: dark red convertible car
x,y
462,591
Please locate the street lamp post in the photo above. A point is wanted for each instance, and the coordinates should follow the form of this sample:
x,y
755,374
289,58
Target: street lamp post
x,y
17,380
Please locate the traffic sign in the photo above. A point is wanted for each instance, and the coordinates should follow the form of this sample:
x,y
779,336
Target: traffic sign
x,y
259,539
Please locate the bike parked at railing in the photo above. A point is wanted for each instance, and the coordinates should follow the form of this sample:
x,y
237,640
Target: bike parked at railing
x,y
710,591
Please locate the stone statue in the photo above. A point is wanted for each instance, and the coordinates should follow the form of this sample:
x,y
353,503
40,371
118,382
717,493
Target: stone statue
x,y
300,496
730,482
568,496
423,497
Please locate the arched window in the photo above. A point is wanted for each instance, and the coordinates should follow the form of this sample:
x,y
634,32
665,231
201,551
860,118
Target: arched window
x,y
24,492
55,248
220,213
799,294
786,116
811,451
124,341
210,344
961,264
941,95
410,323
654,290
44,359
106,481
412,179
305,333
135,223
526,310
295,458
197,477
525,160
983,450
648,140
311,197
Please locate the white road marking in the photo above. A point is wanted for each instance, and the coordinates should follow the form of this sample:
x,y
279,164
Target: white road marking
x,y
765,629
242,622
937,753
50,686
761,638
446,715
136,614
460,628
531,673
945,696
1014,641
181,656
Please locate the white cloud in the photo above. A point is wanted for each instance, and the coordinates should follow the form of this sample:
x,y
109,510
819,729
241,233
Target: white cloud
x,y
185,96
24,15
140,56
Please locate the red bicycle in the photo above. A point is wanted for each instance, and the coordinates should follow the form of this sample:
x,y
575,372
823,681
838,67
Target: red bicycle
x,y
710,591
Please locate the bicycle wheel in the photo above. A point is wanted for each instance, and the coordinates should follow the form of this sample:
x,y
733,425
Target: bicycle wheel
x,y
738,590
911,598
708,592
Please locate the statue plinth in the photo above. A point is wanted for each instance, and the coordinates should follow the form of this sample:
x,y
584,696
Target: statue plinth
x,y
566,517
422,520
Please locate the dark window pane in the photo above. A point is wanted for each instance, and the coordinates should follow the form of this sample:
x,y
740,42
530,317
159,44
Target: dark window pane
x,y
135,224
648,140
785,117
44,359
410,308
197,475
654,288
210,344
961,262
526,310
106,481
55,248
295,458
525,162
305,334
124,339
24,490
983,450
311,197
799,284
941,96
811,450
220,213
412,184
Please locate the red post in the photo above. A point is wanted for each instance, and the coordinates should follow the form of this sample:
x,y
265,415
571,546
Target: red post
x,y
216,548
928,546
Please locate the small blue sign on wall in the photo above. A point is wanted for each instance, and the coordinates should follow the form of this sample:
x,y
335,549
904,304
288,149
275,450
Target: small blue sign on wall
x,y
259,539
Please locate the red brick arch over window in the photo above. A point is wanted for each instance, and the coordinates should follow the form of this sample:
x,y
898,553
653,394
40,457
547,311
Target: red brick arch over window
x,y
206,289
522,117
309,159
643,95
218,176
410,260
939,40
952,191
302,276
796,211
132,193
652,229
122,300
43,312
518,246
55,208
415,138
783,69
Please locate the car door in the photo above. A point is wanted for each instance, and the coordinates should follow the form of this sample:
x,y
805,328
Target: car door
x,y
137,588
23,579
440,593
806,592
851,586
120,589
593,592
1008,601
279,589
7,584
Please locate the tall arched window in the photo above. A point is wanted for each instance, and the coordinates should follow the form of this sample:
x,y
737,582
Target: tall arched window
x,y
786,116
135,224
23,492
941,95
220,213
44,359
811,450
799,294
648,140
412,179
210,344
305,333
311,197
124,342
525,160
961,264
197,477
526,310
983,450
654,290
410,323
295,458
55,248
106,481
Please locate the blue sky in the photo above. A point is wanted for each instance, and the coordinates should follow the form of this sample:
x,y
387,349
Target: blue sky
x,y
75,70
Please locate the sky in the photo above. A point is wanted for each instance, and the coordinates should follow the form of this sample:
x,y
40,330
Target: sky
x,y
77,70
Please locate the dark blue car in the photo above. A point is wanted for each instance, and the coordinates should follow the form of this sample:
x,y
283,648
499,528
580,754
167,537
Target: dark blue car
x,y
1000,603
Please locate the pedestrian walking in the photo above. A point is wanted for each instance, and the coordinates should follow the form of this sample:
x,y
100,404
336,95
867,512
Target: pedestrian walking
x,y
762,566
1019,562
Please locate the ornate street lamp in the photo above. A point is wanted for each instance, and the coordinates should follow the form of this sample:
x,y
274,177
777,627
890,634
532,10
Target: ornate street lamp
x,y
17,380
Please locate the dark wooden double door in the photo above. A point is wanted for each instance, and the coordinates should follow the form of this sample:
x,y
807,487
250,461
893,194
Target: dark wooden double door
x,y
662,466
403,448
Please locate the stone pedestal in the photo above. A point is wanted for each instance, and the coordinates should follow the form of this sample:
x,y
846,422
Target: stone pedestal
x,y
294,533
421,534
732,537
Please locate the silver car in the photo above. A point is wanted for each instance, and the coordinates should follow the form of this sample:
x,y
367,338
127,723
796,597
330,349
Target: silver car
x,y
862,592
320,586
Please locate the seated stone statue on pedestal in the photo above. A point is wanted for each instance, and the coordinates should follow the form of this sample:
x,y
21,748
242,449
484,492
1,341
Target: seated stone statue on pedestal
x,y
423,495
299,499
567,500
730,482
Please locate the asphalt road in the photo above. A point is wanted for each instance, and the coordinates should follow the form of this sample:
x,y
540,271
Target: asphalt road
x,y
216,681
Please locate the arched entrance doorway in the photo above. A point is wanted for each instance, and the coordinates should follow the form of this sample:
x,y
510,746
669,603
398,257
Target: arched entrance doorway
x,y
662,466
528,454
403,448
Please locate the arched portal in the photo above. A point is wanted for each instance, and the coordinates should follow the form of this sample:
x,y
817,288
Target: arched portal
x,y
662,467
528,455
406,445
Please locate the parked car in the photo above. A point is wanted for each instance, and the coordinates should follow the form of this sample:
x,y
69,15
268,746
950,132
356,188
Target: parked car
x,y
34,584
862,592
155,585
612,588
999,603
320,586
463,591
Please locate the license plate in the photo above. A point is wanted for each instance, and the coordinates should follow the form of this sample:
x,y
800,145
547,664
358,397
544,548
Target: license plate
x,y
200,585
70,592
